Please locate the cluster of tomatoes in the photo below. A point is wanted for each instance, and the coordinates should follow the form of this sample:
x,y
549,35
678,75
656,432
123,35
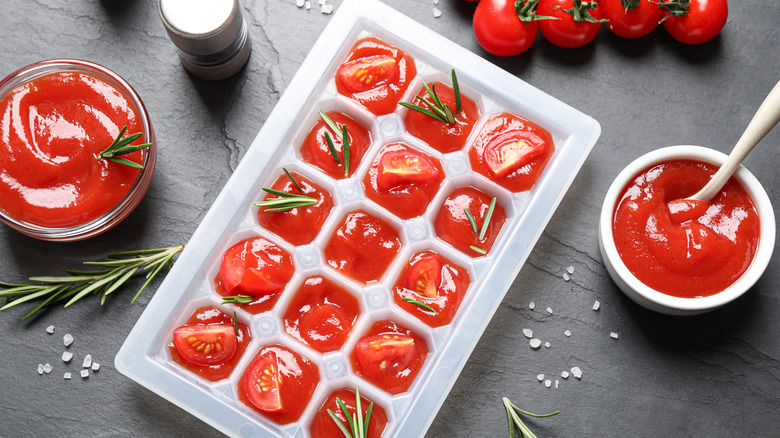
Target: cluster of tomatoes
x,y
509,27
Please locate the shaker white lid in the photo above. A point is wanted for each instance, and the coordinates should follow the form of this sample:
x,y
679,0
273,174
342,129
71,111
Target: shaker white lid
x,y
196,17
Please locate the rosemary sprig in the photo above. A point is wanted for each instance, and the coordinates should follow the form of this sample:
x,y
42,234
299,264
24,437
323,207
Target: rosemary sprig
x,y
289,175
285,201
118,268
235,322
419,304
121,146
358,425
515,421
436,109
237,299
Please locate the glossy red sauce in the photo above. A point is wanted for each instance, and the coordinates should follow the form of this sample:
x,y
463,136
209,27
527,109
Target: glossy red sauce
x,y
315,149
256,267
694,256
376,75
321,314
452,224
434,280
392,356
298,377
362,247
51,129
413,187
323,425
210,315
492,155
444,137
300,225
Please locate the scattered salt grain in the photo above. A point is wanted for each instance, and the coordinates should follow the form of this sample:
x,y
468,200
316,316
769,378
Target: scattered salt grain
x,y
613,335
47,368
436,12
565,277
528,333
435,2
570,270
549,310
556,383
87,361
95,366
531,305
50,329
565,374
576,372
321,2
67,339
547,383
67,376
540,377
567,333
308,5
300,3
40,368
67,356
84,374
326,9
596,305
535,343
547,345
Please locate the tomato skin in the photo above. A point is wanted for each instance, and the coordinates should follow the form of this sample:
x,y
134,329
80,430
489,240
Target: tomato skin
x,y
262,382
499,30
704,20
256,267
634,23
566,32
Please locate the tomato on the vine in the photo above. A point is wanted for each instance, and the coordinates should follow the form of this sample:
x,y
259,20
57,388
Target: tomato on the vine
x,y
506,27
694,21
578,25
631,18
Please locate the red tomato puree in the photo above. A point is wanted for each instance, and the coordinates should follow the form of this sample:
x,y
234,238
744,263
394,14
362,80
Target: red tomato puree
x,y
444,137
323,425
316,152
688,257
51,129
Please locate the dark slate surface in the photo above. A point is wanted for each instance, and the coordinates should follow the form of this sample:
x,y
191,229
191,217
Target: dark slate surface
x,y
711,375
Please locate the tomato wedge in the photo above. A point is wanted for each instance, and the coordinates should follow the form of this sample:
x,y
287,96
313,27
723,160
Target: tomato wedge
x,y
262,382
386,354
424,276
405,166
206,345
368,73
239,273
511,151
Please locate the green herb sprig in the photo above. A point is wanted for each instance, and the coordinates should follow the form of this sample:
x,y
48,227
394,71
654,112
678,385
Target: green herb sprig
x,y
285,201
343,135
235,322
419,304
358,425
118,268
482,232
516,423
121,146
436,109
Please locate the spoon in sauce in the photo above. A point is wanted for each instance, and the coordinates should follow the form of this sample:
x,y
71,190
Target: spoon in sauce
x,y
767,116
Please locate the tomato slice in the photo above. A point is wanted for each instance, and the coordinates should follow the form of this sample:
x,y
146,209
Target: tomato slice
x,y
386,354
262,382
424,276
239,277
206,344
512,150
405,166
368,73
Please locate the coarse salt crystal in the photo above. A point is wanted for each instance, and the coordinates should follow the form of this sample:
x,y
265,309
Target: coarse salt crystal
x,y
47,368
435,2
570,270
67,356
556,383
67,376
565,277
40,368
576,372
321,2
84,374
531,305
567,333
436,12
300,3
308,5
50,329
565,374
547,345
547,383
535,343
596,305
67,339
326,9
540,377
549,310
528,333
87,361
95,366
613,335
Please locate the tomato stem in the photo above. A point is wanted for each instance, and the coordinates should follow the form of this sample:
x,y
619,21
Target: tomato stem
x,y
526,11
580,11
630,4
677,8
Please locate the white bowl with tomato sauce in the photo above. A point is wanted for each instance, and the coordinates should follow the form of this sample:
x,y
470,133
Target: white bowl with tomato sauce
x,y
56,116
667,303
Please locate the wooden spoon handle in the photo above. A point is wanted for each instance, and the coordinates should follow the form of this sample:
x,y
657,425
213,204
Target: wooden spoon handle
x,y
766,118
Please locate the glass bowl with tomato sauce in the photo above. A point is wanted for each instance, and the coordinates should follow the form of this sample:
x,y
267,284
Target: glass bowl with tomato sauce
x,y
56,116
679,263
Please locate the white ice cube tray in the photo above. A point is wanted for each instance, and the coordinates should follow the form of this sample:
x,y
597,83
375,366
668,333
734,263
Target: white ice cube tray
x,y
144,356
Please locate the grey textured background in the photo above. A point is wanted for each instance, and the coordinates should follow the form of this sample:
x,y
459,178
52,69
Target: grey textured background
x,y
712,375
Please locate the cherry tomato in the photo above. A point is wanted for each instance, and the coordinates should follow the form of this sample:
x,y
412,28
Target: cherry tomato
x,y
631,18
206,344
255,267
512,150
385,354
402,166
424,276
701,23
367,73
500,31
568,32
262,381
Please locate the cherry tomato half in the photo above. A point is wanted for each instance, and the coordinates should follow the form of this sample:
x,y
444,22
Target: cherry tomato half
x,y
255,267
512,150
634,22
368,73
405,166
703,21
206,344
385,354
499,30
567,32
424,276
262,381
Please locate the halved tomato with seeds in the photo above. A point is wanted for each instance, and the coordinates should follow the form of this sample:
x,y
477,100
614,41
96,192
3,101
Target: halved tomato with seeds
x,y
512,150
262,382
424,276
206,344
405,166
385,354
368,73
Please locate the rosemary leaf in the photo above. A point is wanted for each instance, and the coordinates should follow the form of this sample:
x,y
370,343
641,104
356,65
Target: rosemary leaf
x,y
285,194
359,409
122,254
368,418
289,175
456,91
422,111
448,113
235,322
478,249
240,299
486,221
439,111
119,283
346,414
332,148
120,146
340,424
332,125
473,222
125,162
515,421
431,89
419,304
345,150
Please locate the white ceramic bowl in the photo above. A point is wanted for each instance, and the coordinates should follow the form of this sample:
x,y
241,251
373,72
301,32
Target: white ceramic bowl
x,y
663,303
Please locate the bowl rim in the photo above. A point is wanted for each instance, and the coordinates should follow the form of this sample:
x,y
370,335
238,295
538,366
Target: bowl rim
x,y
142,182
700,304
